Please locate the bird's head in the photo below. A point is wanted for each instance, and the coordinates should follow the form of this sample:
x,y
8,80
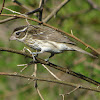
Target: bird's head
x,y
19,33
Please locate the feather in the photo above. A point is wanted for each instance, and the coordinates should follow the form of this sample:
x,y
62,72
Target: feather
x,y
46,33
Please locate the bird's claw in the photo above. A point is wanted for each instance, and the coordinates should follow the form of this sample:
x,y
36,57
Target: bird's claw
x,y
46,59
34,54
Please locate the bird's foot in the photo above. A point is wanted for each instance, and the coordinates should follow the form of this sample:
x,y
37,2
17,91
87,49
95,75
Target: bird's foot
x,y
26,49
34,54
47,59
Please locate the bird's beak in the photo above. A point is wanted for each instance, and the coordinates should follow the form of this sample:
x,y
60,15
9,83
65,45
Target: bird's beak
x,y
12,38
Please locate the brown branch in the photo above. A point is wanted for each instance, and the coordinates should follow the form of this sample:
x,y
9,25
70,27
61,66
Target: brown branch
x,y
15,51
17,2
21,5
12,18
2,6
70,35
40,95
41,9
65,70
41,4
68,71
51,81
76,88
7,19
55,11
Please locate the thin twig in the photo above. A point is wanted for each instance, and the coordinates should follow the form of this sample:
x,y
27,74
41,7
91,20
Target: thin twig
x,y
7,19
35,70
51,81
65,70
14,11
2,6
51,73
38,91
21,5
17,2
55,10
63,95
72,36
73,90
35,83
61,17
34,73
41,9
17,13
26,65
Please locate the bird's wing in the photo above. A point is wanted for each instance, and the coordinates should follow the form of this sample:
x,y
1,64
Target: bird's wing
x,y
46,33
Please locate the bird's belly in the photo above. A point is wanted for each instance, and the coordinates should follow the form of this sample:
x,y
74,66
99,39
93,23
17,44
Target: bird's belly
x,y
48,46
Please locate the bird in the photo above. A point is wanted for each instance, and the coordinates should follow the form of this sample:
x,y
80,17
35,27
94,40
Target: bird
x,y
45,39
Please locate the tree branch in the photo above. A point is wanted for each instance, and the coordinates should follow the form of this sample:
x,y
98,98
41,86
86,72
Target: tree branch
x,y
21,5
65,70
55,11
2,6
41,9
70,35
51,81
7,19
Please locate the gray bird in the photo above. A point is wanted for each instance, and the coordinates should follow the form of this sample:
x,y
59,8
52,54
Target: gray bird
x,y
45,39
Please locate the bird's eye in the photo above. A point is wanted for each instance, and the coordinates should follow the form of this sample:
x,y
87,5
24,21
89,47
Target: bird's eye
x,y
17,33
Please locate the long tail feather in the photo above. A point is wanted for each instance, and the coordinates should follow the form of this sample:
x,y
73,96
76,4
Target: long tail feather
x,y
73,47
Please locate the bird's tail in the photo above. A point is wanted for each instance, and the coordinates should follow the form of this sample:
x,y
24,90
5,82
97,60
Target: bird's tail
x,y
73,47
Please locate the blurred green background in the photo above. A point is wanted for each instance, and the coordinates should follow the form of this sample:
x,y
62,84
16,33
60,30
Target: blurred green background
x,y
74,16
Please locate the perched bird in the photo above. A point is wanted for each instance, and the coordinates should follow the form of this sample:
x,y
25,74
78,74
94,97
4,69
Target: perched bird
x,y
45,39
